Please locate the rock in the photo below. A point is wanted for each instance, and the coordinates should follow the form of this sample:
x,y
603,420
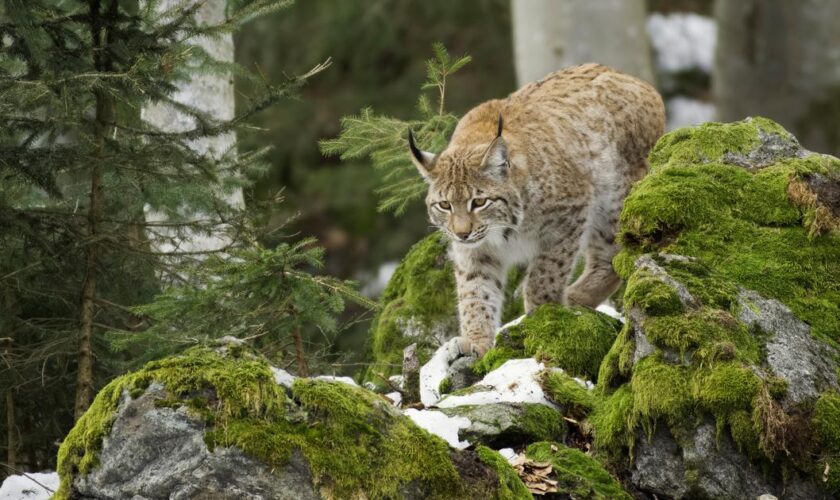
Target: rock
x,y
722,381
806,365
214,423
516,381
703,465
460,374
501,425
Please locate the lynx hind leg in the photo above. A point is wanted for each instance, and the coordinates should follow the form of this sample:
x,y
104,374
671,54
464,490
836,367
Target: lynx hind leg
x,y
598,280
549,272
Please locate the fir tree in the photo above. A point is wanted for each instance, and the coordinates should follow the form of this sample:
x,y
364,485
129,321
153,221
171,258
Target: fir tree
x,y
81,170
383,138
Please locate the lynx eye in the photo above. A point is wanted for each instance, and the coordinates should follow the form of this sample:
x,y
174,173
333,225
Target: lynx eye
x,y
478,202
444,205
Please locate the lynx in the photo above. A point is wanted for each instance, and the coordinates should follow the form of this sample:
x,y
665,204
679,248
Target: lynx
x,y
539,178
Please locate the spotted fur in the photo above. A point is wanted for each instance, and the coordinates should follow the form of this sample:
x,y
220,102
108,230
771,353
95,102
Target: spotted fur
x,y
539,178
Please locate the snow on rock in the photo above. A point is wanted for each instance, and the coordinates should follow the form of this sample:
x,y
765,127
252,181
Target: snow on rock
x,y
343,380
24,488
508,453
282,377
683,41
610,311
441,425
685,112
516,381
513,322
433,372
395,397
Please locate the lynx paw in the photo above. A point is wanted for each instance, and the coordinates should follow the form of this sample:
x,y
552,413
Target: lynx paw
x,y
471,347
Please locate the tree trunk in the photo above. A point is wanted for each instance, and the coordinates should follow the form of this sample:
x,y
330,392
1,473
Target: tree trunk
x,y
300,354
100,34
781,59
210,93
552,34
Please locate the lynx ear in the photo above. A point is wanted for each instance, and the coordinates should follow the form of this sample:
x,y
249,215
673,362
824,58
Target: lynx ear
x,y
495,161
421,159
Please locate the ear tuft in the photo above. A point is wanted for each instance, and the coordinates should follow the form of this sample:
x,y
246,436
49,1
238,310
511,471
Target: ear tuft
x,y
421,159
501,125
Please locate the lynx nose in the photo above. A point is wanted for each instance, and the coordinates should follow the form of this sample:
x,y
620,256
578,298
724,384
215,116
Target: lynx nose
x,y
463,235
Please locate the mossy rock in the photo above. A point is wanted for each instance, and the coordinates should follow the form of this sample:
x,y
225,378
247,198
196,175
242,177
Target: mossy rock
x,y
575,339
322,438
577,474
507,425
419,304
732,262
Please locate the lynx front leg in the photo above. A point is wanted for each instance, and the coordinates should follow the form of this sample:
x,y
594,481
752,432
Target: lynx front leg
x,y
480,280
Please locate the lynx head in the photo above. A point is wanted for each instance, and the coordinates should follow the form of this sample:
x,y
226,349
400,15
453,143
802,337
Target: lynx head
x,y
471,197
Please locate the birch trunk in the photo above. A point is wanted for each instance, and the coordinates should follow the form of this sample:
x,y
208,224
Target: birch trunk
x,y
781,59
210,93
552,34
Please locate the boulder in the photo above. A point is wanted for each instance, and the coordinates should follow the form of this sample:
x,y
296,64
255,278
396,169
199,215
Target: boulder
x,y
508,425
215,423
717,384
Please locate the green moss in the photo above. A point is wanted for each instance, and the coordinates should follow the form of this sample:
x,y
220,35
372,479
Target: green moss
x,y
570,395
445,386
496,357
711,141
616,365
241,386
614,421
511,486
355,443
710,334
725,388
740,223
577,474
651,295
826,421
421,291
575,339
660,391
541,422
745,434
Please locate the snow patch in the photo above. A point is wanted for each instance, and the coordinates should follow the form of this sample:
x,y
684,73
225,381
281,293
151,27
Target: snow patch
x,y
282,377
686,112
395,397
441,425
373,286
683,41
513,322
343,380
516,381
508,453
24,488
433,372
610,311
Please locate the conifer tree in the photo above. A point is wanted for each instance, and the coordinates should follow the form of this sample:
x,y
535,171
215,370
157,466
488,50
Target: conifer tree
x,y
79,172
383,138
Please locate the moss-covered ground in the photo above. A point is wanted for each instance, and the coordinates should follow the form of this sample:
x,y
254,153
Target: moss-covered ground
x,y
355,442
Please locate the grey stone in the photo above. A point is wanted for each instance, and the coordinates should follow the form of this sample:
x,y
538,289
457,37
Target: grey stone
x,y
461,374
792,353
772,148
156,452
647,262
702,466
502,425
